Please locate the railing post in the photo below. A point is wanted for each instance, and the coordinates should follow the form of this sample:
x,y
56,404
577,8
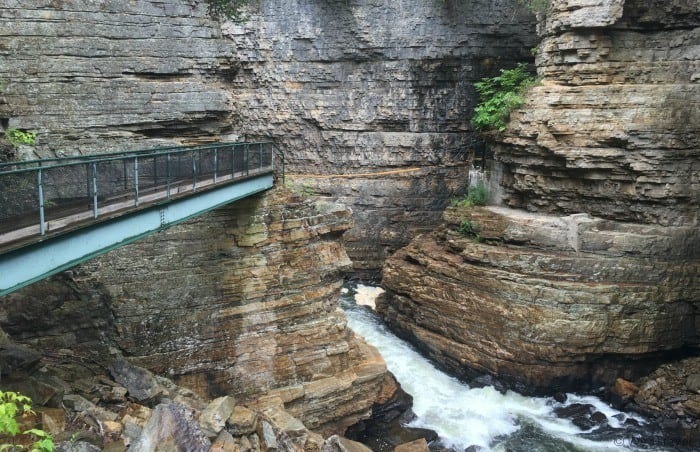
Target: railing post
x,y
87,184
194,171
94,189
216,162
168,176
40,183
247,159
136,181
260,145
126,176
233,161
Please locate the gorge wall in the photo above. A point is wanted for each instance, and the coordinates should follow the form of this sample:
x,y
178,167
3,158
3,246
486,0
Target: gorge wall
x,y
373,86
94,77
242,301
356,88
589,269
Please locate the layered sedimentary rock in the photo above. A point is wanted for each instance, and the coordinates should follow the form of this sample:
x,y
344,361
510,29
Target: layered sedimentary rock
x,y
589,269
99,76
613,129
241,301
546,303
360,88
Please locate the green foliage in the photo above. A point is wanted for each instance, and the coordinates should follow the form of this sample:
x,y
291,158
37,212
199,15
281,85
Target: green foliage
x,y
300,188
535,5
228,9
17,137
13,405
469,229
477,196
499,96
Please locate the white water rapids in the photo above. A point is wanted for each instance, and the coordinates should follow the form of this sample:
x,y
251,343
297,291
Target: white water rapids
x,y
464,416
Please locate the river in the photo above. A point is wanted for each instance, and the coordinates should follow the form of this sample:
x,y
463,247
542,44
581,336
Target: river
x,y
464,416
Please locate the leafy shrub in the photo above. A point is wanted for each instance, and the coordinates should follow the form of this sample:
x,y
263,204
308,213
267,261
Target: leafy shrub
x,y
499,96
477,196
17,137
13,405
468,228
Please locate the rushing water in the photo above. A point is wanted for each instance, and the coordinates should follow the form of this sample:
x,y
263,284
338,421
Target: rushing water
x,y
464,416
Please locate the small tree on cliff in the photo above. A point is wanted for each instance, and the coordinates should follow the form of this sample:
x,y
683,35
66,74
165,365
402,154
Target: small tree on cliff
x,y
499,96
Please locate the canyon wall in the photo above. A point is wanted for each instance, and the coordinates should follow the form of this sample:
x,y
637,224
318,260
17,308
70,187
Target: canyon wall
x,y
589,269
371,101
106,76
241,301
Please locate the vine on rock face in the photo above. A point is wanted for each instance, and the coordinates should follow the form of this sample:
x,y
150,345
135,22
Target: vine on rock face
x,y
535,5
499,96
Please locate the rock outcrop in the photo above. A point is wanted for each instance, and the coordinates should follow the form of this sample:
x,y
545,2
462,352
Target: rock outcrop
x,y
545,303
613,129
377,91
242,301
589,268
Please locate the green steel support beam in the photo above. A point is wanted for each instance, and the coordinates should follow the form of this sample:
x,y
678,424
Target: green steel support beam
x,y
27,265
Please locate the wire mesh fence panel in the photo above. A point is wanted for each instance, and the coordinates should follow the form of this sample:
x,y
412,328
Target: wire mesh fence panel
x,y
113,181
66,191
19,200
224,159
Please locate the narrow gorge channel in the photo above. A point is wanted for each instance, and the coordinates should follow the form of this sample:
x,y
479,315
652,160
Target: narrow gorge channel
x,y
482,418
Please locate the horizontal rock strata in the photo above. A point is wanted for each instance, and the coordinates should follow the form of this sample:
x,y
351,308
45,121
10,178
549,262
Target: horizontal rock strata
x,y
545,303
613,129
112,75
352,88
241,301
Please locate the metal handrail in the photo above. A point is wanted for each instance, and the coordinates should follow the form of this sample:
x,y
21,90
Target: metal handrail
x,y
97,158
207,171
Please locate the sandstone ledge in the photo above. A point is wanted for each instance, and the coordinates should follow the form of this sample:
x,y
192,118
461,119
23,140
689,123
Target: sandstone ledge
x,y
524,305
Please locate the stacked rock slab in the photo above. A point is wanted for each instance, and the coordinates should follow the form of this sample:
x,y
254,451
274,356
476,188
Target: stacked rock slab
x,y
378,91
589,269
241,301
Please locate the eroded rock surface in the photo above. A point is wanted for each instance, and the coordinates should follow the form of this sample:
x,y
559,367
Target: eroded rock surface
x,y
612,130
545,303
242,301
374,87
590,271
113,75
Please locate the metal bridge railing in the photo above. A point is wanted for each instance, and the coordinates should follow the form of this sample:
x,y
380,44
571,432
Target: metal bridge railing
x,y
41,196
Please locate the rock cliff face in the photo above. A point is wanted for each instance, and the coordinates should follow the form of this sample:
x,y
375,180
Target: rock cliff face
x,y
113,75
613,129
599,277
374,86
241,301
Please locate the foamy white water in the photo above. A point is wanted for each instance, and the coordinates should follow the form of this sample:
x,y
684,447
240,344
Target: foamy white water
x,y
464,416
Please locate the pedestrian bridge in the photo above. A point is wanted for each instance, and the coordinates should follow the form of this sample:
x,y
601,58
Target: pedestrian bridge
x,y
57,213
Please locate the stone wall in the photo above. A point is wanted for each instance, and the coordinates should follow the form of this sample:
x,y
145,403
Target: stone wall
x,y
374,86
240,301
